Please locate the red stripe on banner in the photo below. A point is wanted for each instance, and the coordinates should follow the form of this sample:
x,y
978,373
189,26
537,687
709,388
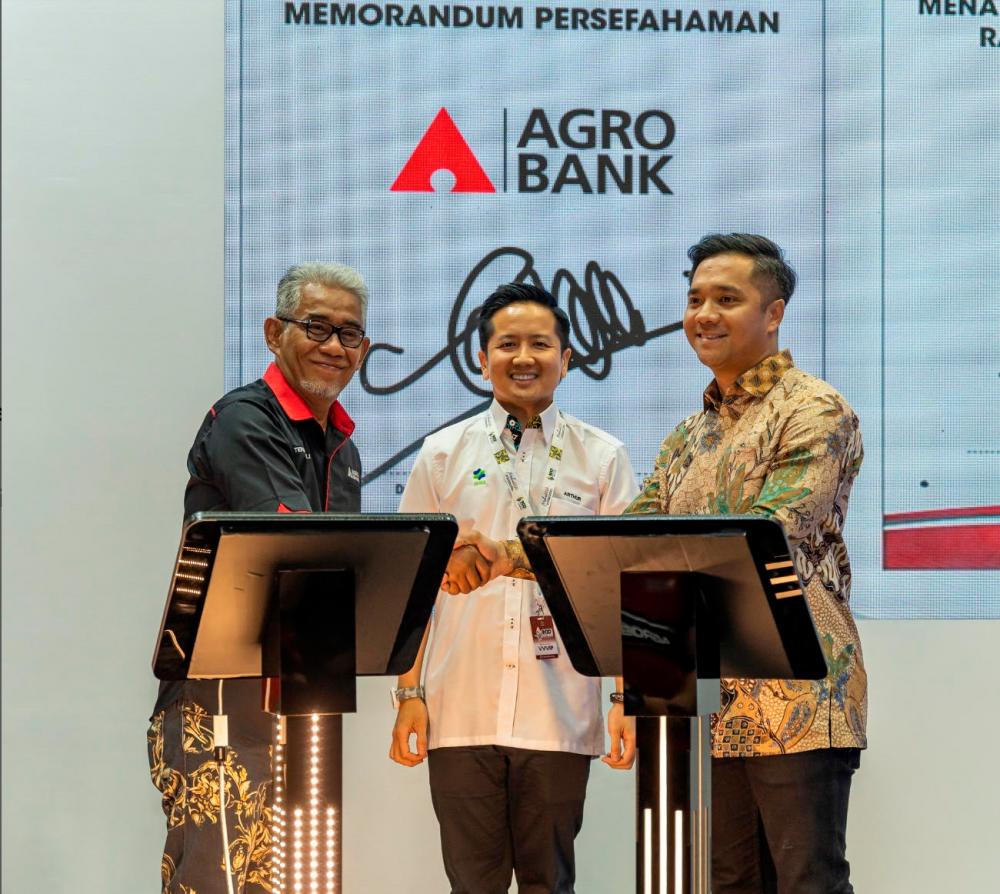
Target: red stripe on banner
x,y
958,547
932,514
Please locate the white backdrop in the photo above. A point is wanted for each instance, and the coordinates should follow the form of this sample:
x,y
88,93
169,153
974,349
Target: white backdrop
x,y
112,237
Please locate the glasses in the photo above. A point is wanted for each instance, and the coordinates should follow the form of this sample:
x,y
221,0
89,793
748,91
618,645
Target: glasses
x,y
320,330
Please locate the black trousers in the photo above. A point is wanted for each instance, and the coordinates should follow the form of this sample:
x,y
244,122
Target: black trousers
x,y
505,811
779,823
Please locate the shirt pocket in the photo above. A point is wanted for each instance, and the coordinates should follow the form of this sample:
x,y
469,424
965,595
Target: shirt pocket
x,y
567,506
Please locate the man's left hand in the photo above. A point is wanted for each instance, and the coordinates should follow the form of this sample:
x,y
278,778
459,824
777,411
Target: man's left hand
x,y
621,729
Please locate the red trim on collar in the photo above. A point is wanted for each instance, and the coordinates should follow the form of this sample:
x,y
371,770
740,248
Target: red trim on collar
x,y
341,421
296,408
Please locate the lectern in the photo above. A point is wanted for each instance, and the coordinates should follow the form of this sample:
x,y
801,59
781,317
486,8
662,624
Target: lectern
x,y
671,603
308,602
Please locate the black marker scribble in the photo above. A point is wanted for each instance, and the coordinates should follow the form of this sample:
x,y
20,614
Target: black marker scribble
x,y
414,446
603,320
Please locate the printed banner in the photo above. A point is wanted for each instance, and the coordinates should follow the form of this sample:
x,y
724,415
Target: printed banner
x,y
445,148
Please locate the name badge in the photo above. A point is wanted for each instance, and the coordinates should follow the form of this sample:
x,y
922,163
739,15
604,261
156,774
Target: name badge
x,y
543,634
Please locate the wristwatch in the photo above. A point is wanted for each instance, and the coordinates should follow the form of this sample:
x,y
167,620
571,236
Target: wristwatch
x,y
405,692
617,698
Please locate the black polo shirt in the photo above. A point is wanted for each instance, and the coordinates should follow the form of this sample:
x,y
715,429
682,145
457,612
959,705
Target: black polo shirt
x,y
260,450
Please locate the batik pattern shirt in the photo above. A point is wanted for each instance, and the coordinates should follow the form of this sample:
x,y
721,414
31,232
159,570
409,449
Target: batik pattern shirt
x,y
782,444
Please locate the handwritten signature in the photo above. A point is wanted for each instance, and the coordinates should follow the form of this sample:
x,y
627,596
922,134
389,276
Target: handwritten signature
x,y
603,321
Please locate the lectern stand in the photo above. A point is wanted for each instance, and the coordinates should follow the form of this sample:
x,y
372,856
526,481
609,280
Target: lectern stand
x,y
672,603
308,602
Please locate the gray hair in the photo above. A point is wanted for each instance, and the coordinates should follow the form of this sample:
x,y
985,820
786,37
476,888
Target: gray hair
x,y
333,276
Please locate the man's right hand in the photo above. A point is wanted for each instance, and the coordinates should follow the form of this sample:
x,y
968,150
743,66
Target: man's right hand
x,y
411,720
467,570
491,550
475,560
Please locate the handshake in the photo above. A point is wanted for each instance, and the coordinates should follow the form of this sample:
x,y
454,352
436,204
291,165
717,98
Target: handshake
x,y
476,560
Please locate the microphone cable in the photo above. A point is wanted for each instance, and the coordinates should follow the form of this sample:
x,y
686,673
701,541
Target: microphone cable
x,y
220,739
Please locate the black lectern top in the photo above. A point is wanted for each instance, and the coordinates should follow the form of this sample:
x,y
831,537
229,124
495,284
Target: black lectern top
x,y
226,569
744,571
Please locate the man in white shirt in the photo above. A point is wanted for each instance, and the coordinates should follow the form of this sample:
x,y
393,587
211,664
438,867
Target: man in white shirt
x,y
508,725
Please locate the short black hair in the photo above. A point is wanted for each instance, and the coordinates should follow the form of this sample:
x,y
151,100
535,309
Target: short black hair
x,y
768,259
511,293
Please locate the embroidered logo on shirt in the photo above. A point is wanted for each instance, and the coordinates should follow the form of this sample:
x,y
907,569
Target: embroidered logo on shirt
x,y
576,498
502,456
478,478
301,450
354,475
555,453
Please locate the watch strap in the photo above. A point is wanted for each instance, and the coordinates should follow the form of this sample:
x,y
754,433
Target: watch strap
x,y
404,693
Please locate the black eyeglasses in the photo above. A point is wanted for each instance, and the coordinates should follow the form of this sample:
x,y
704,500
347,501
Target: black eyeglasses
x,y
321,330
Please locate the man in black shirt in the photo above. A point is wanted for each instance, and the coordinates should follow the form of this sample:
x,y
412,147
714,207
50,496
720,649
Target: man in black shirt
x,y
279,444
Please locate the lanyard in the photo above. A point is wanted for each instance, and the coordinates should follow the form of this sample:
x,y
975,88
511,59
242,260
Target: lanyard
x,y
502,458
520,499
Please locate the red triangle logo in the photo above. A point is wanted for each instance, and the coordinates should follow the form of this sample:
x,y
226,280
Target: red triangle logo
x,y
442,148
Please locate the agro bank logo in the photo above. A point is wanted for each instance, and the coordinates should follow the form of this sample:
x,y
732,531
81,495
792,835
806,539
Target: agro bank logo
x,y
442,148
576,151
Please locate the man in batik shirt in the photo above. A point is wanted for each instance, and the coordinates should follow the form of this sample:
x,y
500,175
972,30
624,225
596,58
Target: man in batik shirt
x,y
774,441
